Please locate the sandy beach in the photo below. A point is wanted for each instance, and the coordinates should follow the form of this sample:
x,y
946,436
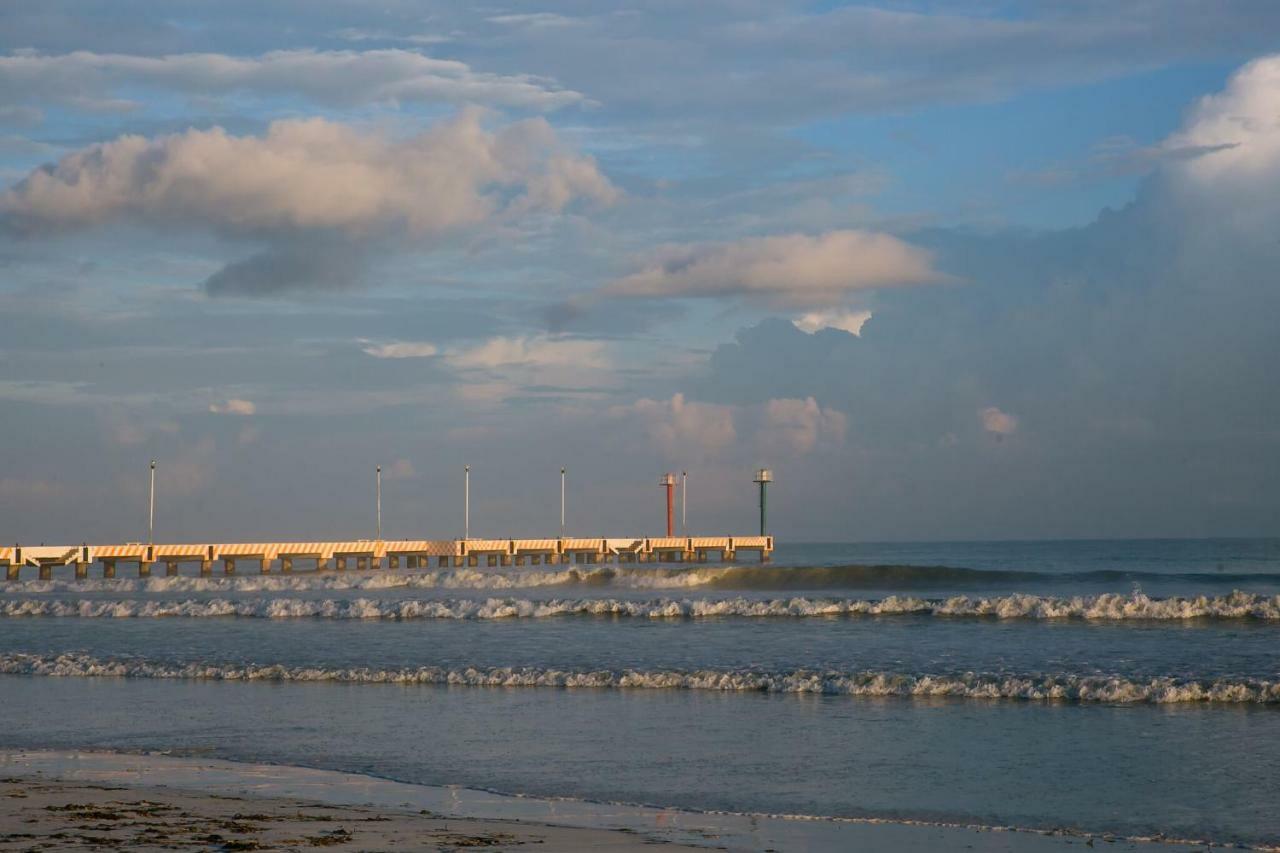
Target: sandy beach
x,y
95,800
61,815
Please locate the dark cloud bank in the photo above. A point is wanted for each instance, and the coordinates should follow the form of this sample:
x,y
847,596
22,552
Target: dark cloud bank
x,y
1139,356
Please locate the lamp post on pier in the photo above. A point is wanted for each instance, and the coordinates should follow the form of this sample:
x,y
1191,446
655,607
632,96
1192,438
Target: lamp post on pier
x,y
379,503
684,503
764,477
466,502
561,503
151,506
669,481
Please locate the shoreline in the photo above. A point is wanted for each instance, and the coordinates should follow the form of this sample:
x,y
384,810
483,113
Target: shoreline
x,y
62,790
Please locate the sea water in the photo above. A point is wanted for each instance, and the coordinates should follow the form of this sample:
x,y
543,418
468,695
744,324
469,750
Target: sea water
x,y
1130,687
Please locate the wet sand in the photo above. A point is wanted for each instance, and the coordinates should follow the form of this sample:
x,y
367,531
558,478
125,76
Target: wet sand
x,y
92,800
59,815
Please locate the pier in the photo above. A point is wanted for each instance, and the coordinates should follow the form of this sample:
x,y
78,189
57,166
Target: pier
x,y
370,554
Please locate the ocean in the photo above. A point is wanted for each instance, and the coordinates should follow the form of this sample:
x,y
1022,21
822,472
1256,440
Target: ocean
x,y
1123,687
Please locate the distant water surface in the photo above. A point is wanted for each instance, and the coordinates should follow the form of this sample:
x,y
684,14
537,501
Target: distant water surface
x,y
1126,686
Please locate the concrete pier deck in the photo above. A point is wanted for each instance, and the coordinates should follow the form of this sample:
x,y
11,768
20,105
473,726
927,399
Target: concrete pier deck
x,y
365,554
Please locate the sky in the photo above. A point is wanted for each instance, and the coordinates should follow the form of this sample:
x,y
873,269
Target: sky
x,y
964,270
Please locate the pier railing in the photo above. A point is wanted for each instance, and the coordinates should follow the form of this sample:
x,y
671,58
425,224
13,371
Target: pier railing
x,y
377,553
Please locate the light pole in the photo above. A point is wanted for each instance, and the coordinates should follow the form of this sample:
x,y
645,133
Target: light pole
x,y
684,503
669,482
466,502
561,503
764,477
379,503
151,506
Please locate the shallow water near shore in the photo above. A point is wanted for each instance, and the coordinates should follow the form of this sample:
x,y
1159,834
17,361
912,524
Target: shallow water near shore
x,y
719,830
998,691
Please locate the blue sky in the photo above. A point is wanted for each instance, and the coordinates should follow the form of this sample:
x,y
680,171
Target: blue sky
x,y
962,270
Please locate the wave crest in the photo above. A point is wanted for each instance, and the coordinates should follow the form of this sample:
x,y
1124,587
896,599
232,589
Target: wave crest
x,y
1108,606
760,578
1063,687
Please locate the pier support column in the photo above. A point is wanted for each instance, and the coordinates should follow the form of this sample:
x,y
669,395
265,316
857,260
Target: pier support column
x,y
457,562
266,566
228,566
506,560
108,568
473,560
144,569
393,562
535,559
702,556
491,560
286,565
340,564
519,559
765,556
11,572
171,568
206,567
730,556
362,563
46,572
82,571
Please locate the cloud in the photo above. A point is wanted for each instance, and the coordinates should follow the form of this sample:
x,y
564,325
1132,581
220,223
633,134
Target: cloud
x,y
303,265
189,473
535,19
533,352
402,349
311,175
15,489
401,469
84,79
998,422
798,425
794,270
683,429
321,194
680,427
233,407
845,321
127,429
524,366
1235,135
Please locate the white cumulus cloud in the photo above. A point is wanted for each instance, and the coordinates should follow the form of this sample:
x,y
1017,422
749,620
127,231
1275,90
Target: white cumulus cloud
x,y
798,425
1238,129
680,427
998,422
312,175
844,320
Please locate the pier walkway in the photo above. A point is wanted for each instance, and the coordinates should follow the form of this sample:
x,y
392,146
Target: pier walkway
x,y
377,553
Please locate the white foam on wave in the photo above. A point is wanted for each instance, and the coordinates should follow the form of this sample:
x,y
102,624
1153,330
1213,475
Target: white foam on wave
x,y
1066,687
1109,606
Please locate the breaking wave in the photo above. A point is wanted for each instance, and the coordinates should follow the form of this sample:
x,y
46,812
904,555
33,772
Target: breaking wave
x,y
1061,687
762,578
1109,606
